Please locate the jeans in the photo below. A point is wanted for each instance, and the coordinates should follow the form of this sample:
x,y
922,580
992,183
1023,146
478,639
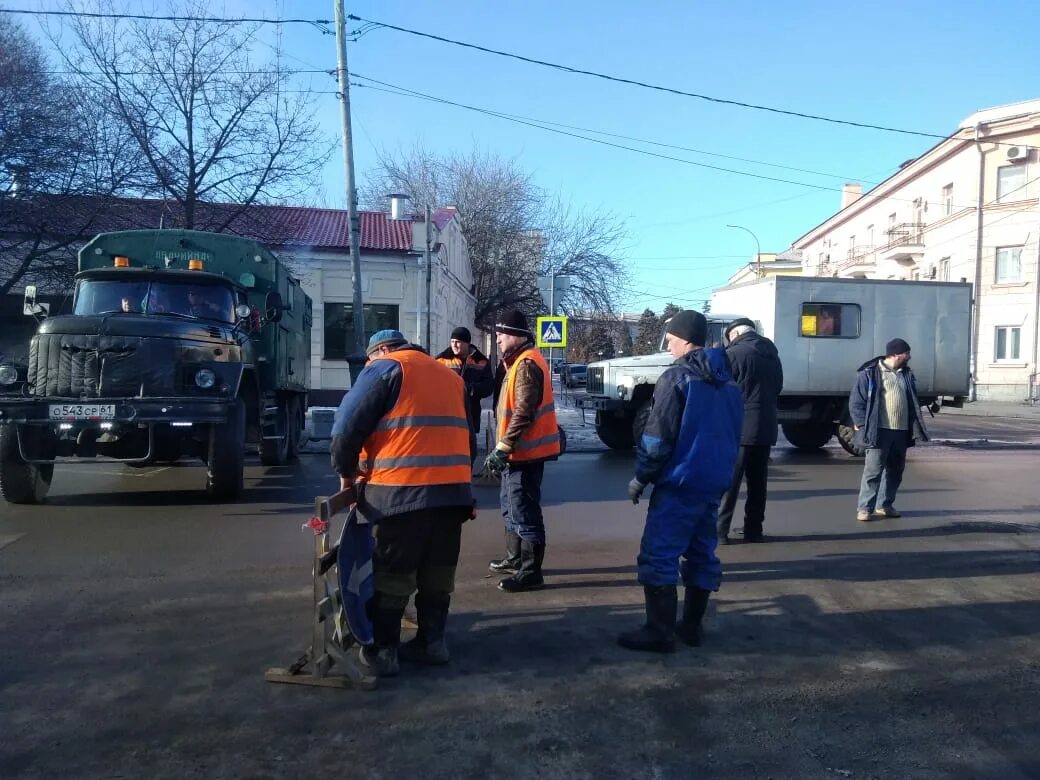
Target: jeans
x,y
521,501
680,526
752,463
883,470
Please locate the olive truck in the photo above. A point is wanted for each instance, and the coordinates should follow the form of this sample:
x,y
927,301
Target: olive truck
x,y
180,344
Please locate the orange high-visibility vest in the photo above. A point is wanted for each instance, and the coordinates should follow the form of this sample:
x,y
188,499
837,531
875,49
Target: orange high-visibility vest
x,y
423,441
541,440
458,364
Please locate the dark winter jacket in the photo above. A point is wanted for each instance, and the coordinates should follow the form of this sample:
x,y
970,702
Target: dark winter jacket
x,y
691,439
478,377
865,404
756,367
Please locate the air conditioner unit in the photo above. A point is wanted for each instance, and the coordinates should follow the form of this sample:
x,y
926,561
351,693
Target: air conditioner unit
x,y
932,271
1017,153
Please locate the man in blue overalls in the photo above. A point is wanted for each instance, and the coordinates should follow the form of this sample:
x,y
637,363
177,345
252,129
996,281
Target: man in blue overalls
x,y
688,450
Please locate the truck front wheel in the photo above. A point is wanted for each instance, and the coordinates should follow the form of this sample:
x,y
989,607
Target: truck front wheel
x,y
639,421
21,482
847,440
808,435
615,432
226,458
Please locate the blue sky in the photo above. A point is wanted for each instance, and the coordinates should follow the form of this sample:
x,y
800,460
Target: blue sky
x,y
915,65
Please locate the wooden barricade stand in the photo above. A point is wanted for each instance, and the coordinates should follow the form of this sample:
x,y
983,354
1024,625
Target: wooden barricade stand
x,y
329,662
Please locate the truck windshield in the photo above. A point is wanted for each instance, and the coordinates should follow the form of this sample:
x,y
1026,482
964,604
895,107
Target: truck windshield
x,y
715,330
116,296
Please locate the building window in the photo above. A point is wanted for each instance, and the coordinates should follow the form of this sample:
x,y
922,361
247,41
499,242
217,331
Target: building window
x,y
830,320
1009,344
944,270
1011,182
947,200
1009,264
339,326
870,235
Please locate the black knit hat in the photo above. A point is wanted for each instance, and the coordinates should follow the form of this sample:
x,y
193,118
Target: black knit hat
x,y
896,347
461,334
689,325
740,321
514,323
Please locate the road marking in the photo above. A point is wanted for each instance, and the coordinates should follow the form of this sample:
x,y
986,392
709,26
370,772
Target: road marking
x,y
137,473
6,540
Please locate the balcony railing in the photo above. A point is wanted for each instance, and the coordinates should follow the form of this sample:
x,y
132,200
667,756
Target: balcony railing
x,y
858,255
905,233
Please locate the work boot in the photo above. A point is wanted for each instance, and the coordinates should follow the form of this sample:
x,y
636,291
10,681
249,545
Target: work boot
x,y
529,575
658,634
381,656
382,661
695,604
429,646
511,563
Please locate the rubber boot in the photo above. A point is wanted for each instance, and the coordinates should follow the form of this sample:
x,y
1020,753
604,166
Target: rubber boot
x,y
694,606
658,635
429,646
529,575
511,563
381,656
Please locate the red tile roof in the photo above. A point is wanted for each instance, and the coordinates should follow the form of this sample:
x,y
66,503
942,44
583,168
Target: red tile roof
x,y
286,226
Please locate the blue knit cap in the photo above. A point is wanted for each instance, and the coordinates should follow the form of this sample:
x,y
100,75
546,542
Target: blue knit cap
x,y
385,337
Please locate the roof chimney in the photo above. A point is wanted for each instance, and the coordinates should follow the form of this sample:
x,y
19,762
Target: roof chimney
x,y
850,193
399,206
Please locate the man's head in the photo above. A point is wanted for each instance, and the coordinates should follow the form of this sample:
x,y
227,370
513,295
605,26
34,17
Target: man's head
x,y
127,305
460,341
897,353
511,331
738,328
385,341
685,332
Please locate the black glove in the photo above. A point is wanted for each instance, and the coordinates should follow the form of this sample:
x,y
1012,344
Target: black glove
x,y
496,462
635,490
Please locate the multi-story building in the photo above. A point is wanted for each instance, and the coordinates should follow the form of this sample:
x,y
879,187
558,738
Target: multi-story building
x,y
768,264
968,209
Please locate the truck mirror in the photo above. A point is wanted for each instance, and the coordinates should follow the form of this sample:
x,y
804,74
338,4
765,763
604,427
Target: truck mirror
x,y
273,307
30,308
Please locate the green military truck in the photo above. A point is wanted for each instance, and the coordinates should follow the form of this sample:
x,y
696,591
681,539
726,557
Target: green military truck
x,y
180,344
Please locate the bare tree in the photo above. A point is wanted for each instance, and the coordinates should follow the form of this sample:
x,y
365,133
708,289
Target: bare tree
x,y
213,123
56,146
514,230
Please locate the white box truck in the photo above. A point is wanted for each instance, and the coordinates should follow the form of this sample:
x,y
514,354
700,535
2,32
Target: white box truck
x,y
824,329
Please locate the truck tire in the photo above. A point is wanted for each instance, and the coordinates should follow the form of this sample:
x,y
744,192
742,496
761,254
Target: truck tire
x,y
640,419
226,458
275,452
21,482
296,423
846,438
615,432
808,435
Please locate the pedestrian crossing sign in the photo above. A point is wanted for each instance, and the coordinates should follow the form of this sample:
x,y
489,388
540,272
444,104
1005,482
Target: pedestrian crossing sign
x,y
552,331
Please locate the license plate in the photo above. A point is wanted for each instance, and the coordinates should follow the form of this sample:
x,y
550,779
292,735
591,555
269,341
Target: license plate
x,y
83,411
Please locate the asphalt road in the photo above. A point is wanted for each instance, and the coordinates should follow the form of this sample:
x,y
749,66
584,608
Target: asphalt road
x,y
137,622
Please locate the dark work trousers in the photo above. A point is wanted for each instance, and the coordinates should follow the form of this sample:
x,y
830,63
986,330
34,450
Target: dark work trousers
x,y
752,463
416,551
883,470
521,500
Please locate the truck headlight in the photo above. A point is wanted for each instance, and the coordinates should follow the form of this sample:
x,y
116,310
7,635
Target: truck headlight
x,y
205,378
8,375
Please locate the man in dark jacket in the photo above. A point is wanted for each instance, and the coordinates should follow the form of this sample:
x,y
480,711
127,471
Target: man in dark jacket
x,y
469,363
401,435
886,415
687,450
756,367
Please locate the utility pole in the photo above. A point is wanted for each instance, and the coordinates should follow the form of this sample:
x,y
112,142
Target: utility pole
x,y
429,276
552,313
348,160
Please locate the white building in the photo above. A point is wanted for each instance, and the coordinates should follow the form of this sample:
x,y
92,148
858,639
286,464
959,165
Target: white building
x,y
968,209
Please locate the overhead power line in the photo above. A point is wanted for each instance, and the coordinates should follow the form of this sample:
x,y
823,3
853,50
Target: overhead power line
x,y
647,85
320,23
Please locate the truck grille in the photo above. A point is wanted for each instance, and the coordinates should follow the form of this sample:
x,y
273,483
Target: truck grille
x,y
594,381
78,366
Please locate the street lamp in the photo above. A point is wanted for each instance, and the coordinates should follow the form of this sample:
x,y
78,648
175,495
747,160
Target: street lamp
x,y
758,247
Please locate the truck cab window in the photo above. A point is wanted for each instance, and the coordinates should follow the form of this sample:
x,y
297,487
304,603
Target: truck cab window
x,y
830,320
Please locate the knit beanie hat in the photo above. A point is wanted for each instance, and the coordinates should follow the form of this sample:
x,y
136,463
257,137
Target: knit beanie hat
x,y
461,334
514,323
385,338
740,321
896,347
689,325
